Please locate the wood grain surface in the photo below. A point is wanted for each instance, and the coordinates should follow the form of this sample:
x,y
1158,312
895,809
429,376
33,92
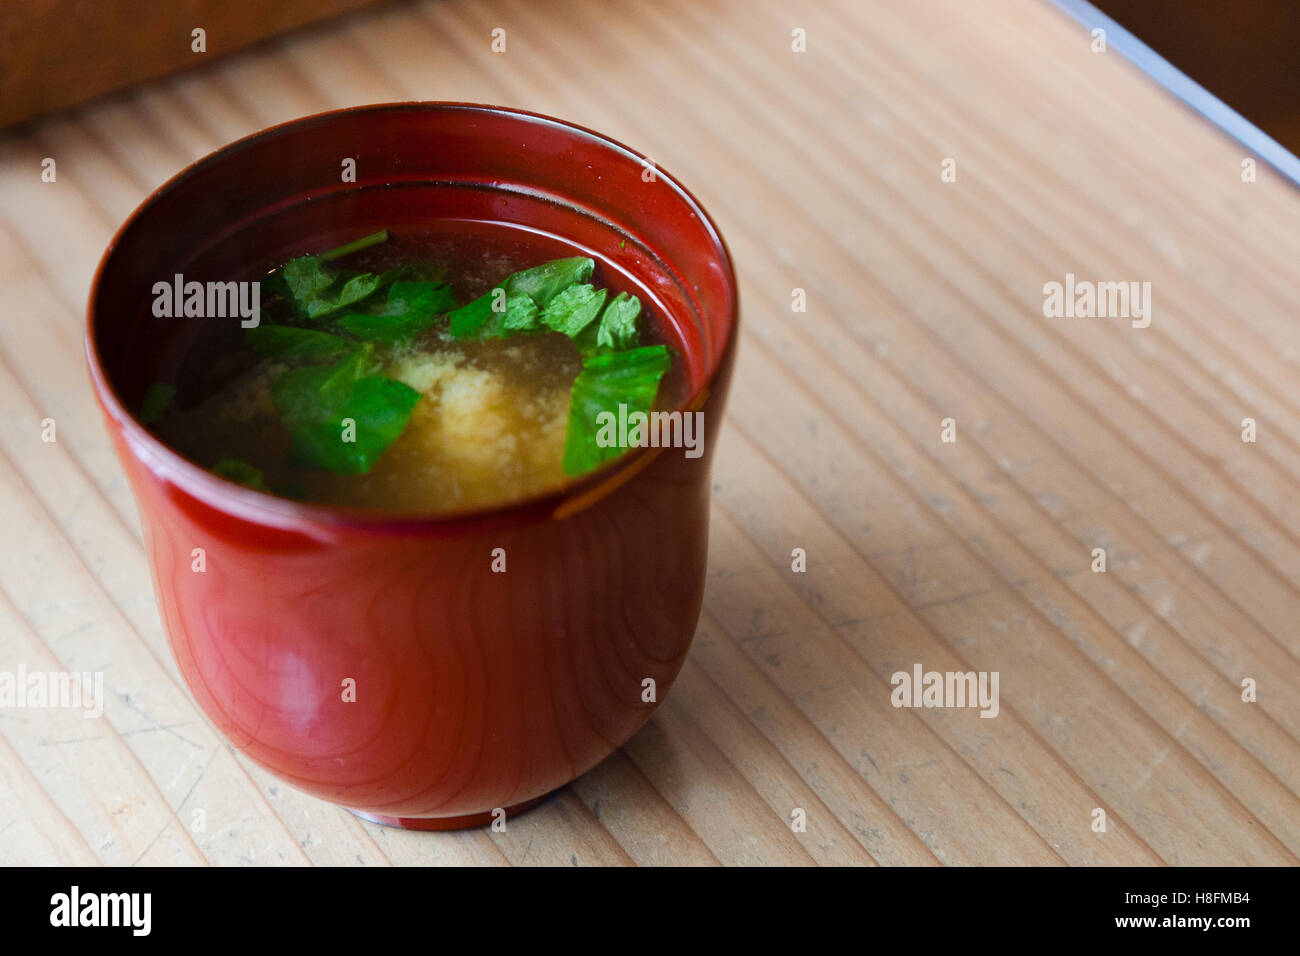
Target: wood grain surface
x,y
55,53
1120,691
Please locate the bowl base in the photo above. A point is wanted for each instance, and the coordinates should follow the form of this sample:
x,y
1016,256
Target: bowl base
x,y
445,823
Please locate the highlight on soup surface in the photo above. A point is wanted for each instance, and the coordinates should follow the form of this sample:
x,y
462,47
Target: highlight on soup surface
x,y
434,375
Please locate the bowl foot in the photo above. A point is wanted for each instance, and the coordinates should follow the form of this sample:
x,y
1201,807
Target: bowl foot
x,y
445,823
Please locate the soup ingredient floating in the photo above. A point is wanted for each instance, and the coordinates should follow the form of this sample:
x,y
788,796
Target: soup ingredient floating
x,y
380,388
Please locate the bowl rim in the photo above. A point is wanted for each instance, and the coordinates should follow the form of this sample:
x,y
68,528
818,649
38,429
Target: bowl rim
x,y
261,508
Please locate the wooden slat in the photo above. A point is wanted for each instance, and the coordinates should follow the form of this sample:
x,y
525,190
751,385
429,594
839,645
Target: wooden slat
x,y
1119,691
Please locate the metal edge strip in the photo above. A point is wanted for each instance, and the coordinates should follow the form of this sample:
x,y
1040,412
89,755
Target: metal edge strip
x,y
1186,89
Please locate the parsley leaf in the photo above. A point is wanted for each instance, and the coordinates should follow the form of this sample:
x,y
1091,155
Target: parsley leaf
x,y
288,343
317,292
351,292
572,310
305,278
544,282
384,329
616,330
358,431
418,298
240,471
470,320
411,308
618,323
157,401
340,417
479,320
541,285
521,315
608,380
312,393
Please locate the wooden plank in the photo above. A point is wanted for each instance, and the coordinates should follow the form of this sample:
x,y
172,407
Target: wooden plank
x,y
60,52
35,829
645,825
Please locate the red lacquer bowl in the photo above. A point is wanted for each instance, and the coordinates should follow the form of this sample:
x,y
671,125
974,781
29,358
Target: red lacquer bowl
x,y
474,690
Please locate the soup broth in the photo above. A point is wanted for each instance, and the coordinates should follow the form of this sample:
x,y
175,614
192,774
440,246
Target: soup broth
x,y
467,377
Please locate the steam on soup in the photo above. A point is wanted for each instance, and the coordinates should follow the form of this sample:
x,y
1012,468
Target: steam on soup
x,y
439,381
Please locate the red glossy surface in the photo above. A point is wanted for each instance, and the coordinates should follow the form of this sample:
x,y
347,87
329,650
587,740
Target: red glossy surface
x,y
474,690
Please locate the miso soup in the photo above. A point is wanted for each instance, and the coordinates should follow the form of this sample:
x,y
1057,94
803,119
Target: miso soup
x,y
459,367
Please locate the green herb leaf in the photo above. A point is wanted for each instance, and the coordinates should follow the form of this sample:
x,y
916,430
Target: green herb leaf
x,y
608,380
317,292
541,285
618,323
411,308
240,471
479,320
544,282
305,278
314,392
317,401
359,430
157,401
384,329
390,277
521,315
572,310
350,293
290,343
419,298
469,321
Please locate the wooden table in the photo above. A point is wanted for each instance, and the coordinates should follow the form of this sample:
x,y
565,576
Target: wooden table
x,y
1120,691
